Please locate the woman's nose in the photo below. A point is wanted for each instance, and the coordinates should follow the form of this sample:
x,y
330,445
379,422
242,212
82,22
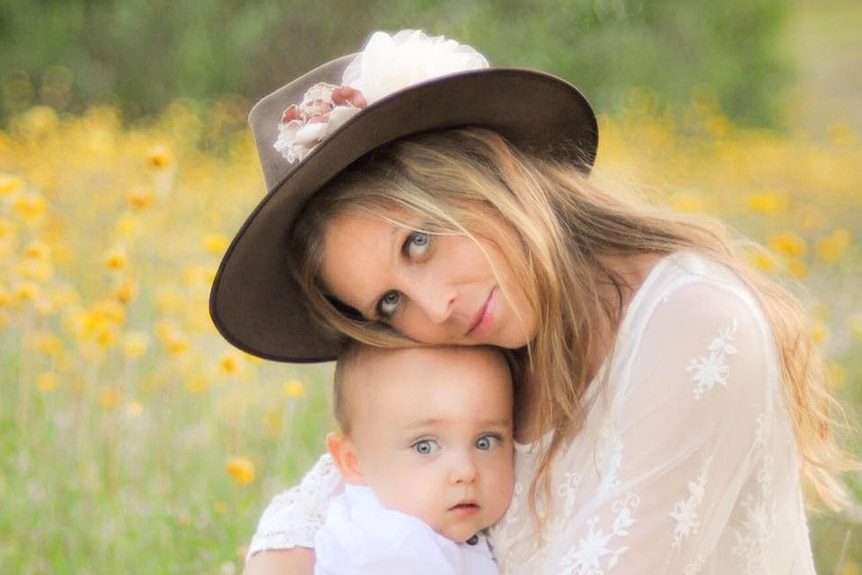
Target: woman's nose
x,y
436,301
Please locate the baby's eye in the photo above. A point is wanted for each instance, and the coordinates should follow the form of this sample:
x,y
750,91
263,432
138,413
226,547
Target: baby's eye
x,y
388,304
416,245
488,441
425,446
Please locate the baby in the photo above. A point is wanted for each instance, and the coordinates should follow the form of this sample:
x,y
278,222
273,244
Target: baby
x,y
425,449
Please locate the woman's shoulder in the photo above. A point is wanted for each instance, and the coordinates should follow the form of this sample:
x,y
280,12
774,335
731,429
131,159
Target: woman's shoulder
x,y
687,295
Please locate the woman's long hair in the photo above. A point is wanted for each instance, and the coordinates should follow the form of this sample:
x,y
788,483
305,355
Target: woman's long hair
x,y
473,183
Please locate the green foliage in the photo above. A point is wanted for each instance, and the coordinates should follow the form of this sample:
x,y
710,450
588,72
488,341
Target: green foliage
x,y
143,53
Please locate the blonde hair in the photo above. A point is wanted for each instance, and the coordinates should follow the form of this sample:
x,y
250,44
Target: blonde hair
x,y
472,182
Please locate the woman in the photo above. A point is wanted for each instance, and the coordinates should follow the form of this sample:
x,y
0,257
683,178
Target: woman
x,y
674,409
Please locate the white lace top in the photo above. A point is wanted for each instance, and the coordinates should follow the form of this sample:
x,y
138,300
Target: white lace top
x,y
686,462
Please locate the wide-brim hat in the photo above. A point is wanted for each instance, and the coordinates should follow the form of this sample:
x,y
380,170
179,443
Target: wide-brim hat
x,y
255,302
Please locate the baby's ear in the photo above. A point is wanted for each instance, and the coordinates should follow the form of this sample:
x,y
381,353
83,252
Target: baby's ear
x,y
344,455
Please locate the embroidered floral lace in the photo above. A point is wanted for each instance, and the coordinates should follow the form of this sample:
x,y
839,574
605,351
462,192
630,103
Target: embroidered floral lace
x,y
686,462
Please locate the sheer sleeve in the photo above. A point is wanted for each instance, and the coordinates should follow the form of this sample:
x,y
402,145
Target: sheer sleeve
x,y
293,517
687,459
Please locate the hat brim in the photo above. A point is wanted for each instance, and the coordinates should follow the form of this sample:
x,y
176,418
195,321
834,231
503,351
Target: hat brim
x,y
256,304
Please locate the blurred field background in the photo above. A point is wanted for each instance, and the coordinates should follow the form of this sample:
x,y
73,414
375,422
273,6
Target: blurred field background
x,y
133,439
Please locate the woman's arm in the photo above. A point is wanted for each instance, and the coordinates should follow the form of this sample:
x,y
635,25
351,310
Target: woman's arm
x,y
284,540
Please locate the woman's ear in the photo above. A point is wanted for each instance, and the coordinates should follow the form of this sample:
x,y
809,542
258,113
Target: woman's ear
x,y
344,455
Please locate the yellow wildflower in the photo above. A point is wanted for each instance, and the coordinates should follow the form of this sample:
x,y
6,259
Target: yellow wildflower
x,y
127,225
135,344
196,384
116,259
767,202
30,206
10,184
40,271
142,198
819,332
229,364
37,250
832,247
788,244
241,469
46,343
47,381
294,388
763,261
159,157
26,291
837,375
125,292
109,398
216,244
797,268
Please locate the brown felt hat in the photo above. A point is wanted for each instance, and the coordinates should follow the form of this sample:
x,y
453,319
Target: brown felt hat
x,y
255,303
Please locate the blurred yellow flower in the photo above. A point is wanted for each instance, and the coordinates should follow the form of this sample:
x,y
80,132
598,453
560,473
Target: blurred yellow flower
x,y
46,343
854,324
128,226
29,206
767,202
26,291
797,268
142,198
833,246
788,244
159,157
37,250
196,384
10,184
172,338
135,344
47,381
763,261
109,398
40,271
819,332
273,422
216,243
294,388
836,374
116,259
125,292
241,469
229,364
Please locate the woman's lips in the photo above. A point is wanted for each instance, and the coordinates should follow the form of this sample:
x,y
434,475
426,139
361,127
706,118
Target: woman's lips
x,y
485,317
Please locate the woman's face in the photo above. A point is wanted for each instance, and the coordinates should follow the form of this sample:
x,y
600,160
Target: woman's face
x,y
434,289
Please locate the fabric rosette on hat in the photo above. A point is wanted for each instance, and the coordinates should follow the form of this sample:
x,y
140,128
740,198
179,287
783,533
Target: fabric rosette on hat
x,y
387,64
317,125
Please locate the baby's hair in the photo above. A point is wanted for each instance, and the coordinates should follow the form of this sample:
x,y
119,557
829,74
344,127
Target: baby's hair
x,y
356,352
347,359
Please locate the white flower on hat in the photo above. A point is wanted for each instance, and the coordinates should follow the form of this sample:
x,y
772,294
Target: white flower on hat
x,y
386,65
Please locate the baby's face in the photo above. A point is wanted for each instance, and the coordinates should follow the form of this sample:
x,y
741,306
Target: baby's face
x,y
432,429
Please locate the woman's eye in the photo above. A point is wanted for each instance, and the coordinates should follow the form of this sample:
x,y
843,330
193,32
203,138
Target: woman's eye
x,y
486,442
425,446
388,304
416,245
